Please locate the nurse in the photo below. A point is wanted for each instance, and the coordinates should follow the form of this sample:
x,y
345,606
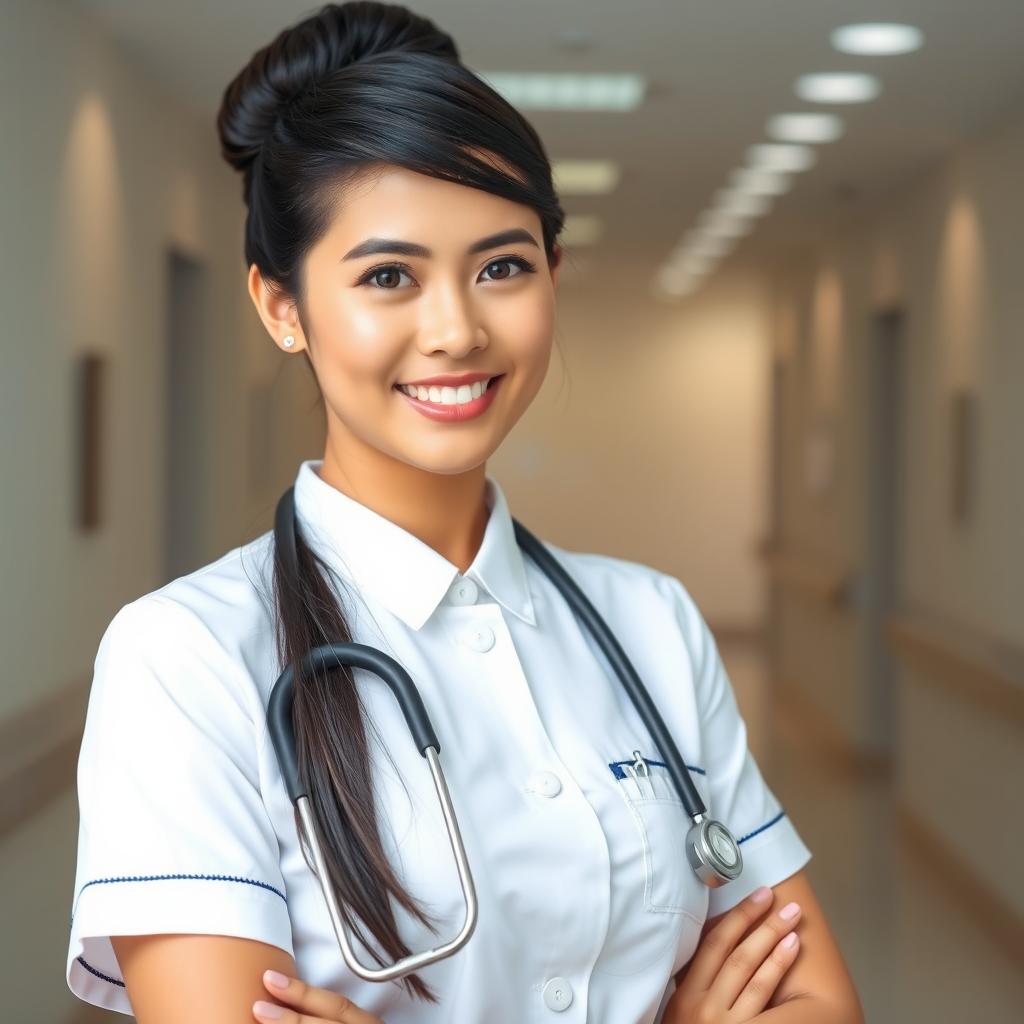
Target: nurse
x,y
401,240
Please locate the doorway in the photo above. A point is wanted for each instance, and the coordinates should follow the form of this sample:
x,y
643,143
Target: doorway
x,y
184,455
885,419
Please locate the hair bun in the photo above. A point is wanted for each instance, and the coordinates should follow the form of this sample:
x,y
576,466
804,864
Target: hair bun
x,y
336,37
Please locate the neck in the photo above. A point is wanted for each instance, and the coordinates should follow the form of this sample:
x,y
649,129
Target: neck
x,y
448,512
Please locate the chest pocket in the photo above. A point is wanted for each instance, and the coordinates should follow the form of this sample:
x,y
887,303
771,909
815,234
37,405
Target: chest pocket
x,y
670,885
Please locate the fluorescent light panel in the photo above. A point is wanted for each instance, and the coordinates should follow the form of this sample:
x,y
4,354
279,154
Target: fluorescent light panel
x,y
758,182
586,177
838,87
788,158
568,91
877,39
742,204
811,128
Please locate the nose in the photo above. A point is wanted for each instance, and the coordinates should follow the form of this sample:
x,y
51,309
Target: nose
x,y
451,327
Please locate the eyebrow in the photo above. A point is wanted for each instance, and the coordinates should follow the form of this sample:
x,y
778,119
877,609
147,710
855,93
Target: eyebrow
x,y
397,246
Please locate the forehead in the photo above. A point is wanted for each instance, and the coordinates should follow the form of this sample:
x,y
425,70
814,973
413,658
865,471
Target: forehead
x,y
394,202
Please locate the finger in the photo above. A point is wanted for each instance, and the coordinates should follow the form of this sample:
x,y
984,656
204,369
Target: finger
x,y
761,987
721,940
307,1004
746,959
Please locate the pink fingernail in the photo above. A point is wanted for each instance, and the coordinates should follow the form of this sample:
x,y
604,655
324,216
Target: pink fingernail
x,y
789,910
268,1010
275,979
761,895
789,941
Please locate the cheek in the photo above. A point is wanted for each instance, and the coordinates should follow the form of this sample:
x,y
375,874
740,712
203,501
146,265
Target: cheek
x,y
360,347
530,345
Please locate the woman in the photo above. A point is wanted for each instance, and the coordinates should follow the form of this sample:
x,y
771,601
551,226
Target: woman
x,y
401,237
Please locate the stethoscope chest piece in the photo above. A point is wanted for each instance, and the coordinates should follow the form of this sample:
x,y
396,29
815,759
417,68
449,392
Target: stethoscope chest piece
x,y
712,851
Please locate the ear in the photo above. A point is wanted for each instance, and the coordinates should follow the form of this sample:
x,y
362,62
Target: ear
x,y
278,314
557,266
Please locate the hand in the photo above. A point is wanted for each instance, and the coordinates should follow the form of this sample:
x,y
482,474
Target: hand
x,y
305,1004
726,983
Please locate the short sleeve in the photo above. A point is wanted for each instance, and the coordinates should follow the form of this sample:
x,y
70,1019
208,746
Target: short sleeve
x,y
737,794
174,835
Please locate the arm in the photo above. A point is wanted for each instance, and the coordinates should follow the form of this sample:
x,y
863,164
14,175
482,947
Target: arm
x,y
817,988
177,979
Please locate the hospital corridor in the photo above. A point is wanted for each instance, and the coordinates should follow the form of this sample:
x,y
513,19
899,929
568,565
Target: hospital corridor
x,y
786,373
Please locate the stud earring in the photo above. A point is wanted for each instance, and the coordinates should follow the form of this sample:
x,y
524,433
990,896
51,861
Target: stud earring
x,y
288,342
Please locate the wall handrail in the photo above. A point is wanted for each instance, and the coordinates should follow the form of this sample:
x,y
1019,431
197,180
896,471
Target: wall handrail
x,y
984,669
39,748
825,581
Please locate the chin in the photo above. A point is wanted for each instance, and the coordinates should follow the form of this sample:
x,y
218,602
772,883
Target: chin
x,y
449,464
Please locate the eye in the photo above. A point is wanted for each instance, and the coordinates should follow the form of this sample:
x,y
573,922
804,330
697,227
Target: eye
x,y
372,275
525,266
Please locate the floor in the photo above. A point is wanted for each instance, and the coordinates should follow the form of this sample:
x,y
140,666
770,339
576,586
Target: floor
x,y
915,952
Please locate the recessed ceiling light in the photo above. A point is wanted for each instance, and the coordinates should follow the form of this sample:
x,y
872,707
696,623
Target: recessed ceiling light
x,y
838,87
877,39
692,260
585,177
708,245
569,91
758,182
805,127
782,156
742,203
676,282
724,225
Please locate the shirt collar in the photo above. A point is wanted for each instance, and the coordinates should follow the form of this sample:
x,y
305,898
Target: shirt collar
x,y
403,573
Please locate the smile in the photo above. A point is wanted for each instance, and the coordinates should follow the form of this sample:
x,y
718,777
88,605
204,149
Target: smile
x,y
449,403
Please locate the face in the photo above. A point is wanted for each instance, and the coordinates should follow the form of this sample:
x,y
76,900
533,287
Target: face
x,y
381,319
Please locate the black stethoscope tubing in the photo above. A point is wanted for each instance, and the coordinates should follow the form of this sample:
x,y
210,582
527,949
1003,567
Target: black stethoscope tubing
x,y
711,849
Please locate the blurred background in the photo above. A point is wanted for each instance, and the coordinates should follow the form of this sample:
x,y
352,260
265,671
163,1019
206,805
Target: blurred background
x,y
789,370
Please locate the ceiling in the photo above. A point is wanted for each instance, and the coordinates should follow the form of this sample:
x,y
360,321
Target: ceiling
x,y
718,70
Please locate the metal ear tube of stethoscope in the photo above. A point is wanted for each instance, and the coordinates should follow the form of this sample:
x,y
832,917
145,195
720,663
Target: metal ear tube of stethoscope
x,y
279,725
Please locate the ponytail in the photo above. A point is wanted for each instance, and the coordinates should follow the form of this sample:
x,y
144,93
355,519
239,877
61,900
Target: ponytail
x,y
333,759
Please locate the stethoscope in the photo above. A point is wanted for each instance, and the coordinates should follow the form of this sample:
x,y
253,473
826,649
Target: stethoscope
x,y
711,849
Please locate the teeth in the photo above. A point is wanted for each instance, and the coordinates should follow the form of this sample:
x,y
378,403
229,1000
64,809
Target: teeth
x,y
446,395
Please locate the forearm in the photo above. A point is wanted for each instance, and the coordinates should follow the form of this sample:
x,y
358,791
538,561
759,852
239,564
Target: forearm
x,y
808,1009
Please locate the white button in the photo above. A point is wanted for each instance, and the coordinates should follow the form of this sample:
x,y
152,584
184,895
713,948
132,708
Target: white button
x,y
544,783
557,994
477,638
463,591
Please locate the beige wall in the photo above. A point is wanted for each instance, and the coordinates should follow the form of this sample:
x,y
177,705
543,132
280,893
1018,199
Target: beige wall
x,y
101,173
647,441
946,246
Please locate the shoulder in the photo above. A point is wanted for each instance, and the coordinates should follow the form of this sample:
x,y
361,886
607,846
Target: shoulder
x,y
232,586
216,613
618,585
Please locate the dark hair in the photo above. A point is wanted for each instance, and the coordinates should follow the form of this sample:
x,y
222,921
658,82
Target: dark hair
x,y
353,88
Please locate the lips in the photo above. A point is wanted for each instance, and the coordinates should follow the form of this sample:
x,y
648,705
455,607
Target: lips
x,y
456,412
